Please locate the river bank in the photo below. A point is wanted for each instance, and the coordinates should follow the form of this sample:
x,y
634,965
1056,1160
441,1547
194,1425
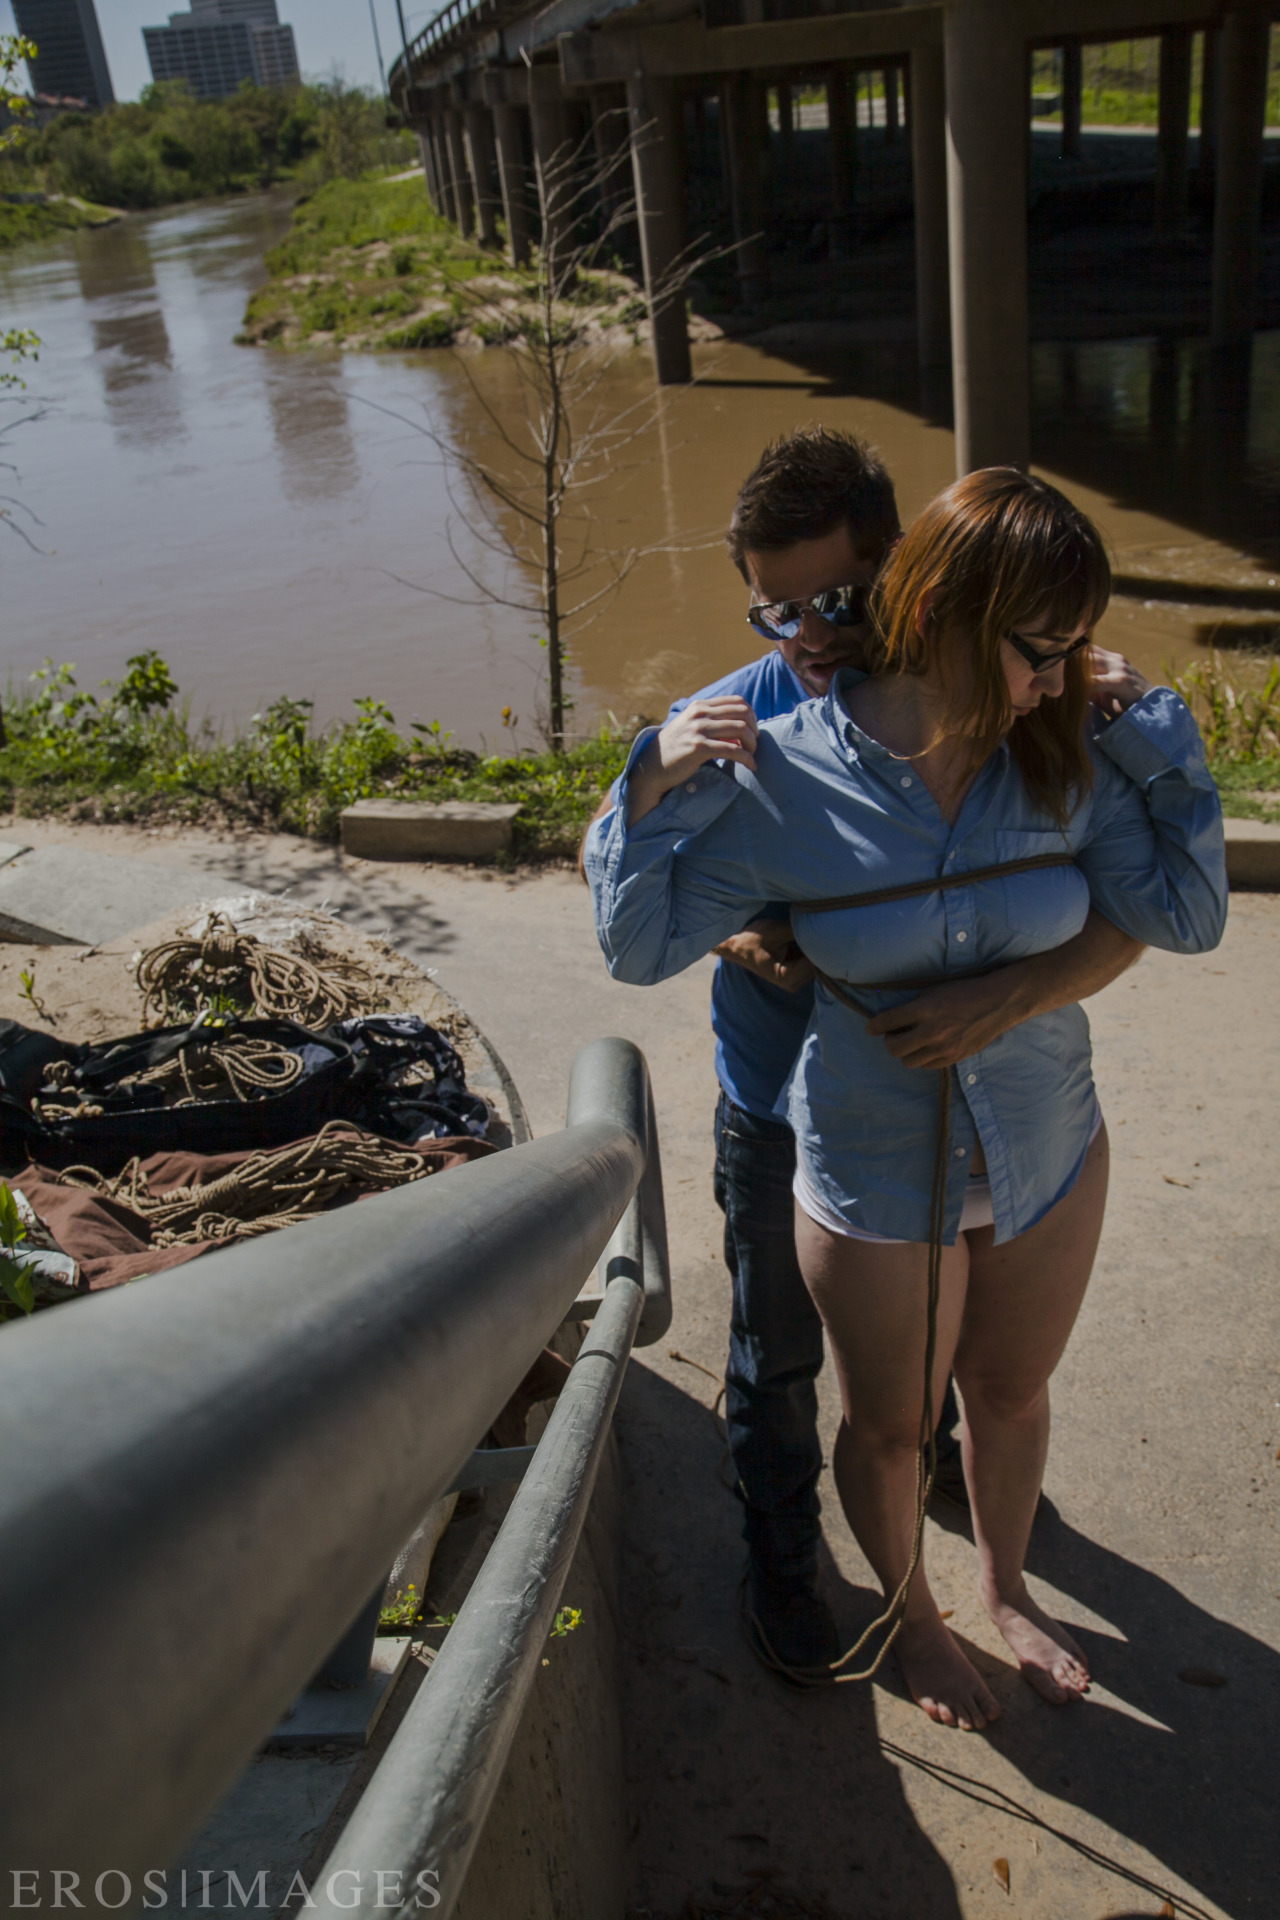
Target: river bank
x,y
369,264
27,217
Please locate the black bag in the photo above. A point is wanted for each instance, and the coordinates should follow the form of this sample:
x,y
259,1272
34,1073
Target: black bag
x,y
143,1119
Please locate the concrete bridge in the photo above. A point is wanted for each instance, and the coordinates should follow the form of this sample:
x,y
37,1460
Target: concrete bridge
x,y
497,87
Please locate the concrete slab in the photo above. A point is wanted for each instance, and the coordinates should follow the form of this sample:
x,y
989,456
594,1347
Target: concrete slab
x,y
1253,854
415,830
344,1717
12,850
267,1824
68,896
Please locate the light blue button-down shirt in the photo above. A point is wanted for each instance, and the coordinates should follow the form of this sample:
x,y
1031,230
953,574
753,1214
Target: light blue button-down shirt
x,y
829,811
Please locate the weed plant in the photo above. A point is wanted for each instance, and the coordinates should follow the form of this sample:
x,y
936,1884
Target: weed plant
x,y
133,753
1238,711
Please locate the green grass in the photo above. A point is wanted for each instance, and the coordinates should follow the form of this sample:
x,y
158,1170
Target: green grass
x,y
135,756
369,264
22,224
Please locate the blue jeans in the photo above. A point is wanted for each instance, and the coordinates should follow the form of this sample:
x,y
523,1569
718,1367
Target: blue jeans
x,y
775,1346
775,1343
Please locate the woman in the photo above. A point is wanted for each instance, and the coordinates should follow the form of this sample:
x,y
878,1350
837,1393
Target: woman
x,y
972,743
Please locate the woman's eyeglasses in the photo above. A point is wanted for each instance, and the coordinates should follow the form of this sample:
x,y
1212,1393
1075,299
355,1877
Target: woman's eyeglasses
x,y
783,619
1043,662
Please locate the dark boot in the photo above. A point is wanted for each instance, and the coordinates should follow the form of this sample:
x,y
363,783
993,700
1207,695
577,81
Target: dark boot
x,y
789,1626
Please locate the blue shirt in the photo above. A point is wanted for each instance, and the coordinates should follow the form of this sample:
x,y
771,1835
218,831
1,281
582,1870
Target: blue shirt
x,y
830,811
758,1027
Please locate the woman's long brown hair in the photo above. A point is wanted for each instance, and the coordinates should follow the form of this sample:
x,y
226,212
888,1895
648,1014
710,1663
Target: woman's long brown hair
x,y
996,552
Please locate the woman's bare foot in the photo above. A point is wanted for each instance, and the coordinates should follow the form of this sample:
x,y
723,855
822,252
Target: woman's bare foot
x,y
1050,1659
940,1679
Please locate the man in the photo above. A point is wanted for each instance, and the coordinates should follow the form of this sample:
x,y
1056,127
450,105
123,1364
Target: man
x,y
812,525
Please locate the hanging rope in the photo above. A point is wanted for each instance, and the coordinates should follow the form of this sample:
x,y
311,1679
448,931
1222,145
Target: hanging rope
x,y
180,977
266,1191
927,1456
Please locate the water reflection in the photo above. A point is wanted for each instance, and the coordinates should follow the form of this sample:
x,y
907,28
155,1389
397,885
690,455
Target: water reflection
x,y
132,349
312,427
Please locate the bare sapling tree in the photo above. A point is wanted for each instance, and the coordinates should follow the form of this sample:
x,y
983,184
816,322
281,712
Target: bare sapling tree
x,y
537,452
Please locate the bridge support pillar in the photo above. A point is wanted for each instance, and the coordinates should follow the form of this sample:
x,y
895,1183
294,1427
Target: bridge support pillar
x,y
511,177
1171,135
482,166
1242,97
986,82
611,137
656,145
552,152
464,205
842,146
928,119
890,105
746,201
433,138
1207,165
1072,89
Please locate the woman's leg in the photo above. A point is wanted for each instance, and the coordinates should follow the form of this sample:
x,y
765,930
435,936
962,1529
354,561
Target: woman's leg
x,y
1022,1302
873,1299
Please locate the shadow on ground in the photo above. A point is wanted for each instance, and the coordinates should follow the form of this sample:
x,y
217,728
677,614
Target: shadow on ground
x,y
738,1782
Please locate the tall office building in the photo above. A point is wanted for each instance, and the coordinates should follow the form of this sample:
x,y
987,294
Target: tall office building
x,y
221,43
70,62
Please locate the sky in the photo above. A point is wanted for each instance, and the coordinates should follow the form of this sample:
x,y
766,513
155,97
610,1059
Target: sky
x,y
327,32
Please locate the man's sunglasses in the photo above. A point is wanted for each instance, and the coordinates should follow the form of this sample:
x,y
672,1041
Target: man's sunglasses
x,y
1043,662
783,619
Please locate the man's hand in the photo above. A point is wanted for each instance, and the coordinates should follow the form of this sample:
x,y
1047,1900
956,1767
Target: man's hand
x,y
720,729
1115,685
768,949
949,1022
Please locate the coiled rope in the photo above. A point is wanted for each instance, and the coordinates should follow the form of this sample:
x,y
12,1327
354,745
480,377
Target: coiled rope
x,y
268,1190
181,977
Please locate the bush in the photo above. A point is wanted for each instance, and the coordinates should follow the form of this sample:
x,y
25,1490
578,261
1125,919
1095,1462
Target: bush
x,y
432,330
169,146
133,754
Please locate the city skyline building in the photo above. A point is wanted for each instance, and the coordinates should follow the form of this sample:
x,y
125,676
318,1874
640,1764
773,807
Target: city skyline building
x,y
70,61
220,44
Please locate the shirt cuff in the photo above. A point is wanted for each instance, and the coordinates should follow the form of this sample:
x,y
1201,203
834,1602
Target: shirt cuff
x,y
1156,735
686,809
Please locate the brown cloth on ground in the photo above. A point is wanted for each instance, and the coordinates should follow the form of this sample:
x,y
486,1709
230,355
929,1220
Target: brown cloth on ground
x,y
112,1243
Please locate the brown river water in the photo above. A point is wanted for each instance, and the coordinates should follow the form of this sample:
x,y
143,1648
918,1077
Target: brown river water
x,y
280,524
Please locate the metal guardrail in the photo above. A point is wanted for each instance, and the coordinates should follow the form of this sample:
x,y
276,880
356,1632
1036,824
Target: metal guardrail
x,y
202,1476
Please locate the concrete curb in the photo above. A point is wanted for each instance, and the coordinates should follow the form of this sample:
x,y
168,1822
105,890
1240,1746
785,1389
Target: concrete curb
x,y
1253,854
417,830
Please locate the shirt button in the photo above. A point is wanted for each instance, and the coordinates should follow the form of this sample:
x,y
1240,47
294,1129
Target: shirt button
x,y
691,786
906,780
973,1079
960,1152
962,935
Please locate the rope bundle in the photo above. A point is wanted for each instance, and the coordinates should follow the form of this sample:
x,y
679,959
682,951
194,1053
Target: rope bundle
x,y
266,1191
179,976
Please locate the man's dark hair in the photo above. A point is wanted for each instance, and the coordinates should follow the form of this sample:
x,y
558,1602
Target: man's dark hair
x,y
806,485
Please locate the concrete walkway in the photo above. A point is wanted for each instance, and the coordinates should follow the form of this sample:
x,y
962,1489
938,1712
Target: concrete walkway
x,y
1157,1543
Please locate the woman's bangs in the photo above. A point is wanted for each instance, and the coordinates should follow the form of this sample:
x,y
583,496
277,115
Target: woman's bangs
x,y
1079,595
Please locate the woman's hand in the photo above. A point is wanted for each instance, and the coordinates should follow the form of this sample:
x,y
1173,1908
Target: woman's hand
x,y
1115,684
720,729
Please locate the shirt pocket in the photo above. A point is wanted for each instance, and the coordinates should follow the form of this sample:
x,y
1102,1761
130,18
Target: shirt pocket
x,y
1032,912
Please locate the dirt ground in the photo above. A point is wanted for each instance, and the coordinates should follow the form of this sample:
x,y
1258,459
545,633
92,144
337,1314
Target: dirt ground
x,y
1157,1541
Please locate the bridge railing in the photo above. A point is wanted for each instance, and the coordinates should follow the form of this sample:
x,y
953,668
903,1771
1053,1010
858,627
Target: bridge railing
x,y
203,1476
